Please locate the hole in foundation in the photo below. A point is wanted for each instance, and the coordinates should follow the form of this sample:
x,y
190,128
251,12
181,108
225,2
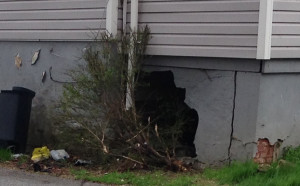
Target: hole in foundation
x,y
158,98
267,153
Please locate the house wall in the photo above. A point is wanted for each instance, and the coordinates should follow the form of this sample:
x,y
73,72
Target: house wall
x,y
286,30
225,98
61,56
201,28
61,30
52,20
279,103
201,42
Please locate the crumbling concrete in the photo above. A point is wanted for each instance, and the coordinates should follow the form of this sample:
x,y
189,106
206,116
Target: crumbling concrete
x,y
265,151
226,102
279,109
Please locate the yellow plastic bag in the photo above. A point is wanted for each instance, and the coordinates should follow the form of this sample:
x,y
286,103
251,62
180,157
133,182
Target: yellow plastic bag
x,y
40,154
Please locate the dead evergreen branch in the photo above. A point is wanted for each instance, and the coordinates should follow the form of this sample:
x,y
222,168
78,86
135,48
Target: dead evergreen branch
x,y
97,102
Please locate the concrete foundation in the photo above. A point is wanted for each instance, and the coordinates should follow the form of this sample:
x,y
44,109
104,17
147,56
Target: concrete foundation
x,y
61,56
237,101
237,107
279,109
226,103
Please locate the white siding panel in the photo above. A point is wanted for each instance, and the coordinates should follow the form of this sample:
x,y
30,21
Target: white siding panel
x,y
54,14
212,28
286,29
285,40
219,17
287,5
227,52
52,5
188,28
285,52
41,35
52,19
212,40
52,25
198,6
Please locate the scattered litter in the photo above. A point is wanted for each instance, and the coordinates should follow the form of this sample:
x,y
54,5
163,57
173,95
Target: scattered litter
x,y
59,154
16,156
40,154
18,61
43,76
35,57
80,162
41,168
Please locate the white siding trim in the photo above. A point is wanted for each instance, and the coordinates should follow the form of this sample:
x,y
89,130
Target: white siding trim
x,y
265,29
124,15
134,15
112,17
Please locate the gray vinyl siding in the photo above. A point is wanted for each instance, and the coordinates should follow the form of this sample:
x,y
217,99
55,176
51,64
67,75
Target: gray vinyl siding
x,y
201,28
51,19
286,29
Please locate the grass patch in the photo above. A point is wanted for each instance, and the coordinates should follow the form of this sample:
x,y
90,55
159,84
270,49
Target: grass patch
x,y
5,155
157,178
235,173
282,173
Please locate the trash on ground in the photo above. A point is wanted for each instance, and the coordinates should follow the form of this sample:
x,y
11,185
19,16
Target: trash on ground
x,y
40,154
16,156
80,162
59,154
41,168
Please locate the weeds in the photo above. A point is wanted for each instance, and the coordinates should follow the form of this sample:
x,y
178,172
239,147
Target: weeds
x,y
5,155
285,172
156,178
292,154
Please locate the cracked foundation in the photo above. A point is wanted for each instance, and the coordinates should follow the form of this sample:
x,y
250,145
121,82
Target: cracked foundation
x,y
233,114
266,103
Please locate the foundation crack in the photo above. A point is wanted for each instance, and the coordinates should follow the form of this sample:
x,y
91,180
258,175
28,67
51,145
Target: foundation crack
x,y
232,120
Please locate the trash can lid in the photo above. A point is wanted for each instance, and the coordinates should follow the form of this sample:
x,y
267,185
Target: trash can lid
x,y
24,90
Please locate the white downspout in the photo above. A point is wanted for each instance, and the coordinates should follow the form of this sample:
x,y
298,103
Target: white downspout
x,y
134,15
124,16
265,26
133,26
112,17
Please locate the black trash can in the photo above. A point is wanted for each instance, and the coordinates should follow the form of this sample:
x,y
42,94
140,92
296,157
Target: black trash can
x,y
15,108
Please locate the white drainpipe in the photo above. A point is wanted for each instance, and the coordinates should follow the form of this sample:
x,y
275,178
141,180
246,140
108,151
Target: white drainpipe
x,y
133,25
134,15
112,17
124,16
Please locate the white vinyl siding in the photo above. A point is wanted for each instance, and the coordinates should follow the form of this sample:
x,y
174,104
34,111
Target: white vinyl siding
x,y
286,29
201,28
51,19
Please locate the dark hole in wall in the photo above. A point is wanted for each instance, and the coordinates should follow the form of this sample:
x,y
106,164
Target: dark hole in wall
x,y
158,98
